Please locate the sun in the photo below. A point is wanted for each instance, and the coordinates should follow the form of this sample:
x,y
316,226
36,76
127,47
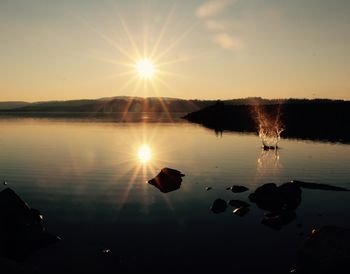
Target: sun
x,y
145,68
144,154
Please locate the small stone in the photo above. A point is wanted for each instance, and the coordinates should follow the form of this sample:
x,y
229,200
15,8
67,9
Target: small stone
x,y
229,188
239,189
106,251
241,211
208,188
5,183
238,203
219,206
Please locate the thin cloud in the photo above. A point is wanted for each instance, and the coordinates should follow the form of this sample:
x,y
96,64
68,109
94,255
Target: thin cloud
x,y
213,7
227,41
220,25
220,29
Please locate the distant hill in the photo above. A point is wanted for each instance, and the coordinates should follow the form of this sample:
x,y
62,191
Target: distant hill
x,y
12,104
112,105
138,104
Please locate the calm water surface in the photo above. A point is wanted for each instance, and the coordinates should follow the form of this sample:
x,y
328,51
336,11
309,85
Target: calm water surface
x,y
89,180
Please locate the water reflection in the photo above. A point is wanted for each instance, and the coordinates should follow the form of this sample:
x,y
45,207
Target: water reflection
x,y
269,160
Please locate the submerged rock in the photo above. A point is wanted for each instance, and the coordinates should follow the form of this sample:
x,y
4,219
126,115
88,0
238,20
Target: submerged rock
x,y
326,251
279,201
238,203
265,147
239,189
241,211
318,186
167,180
219,206
277,220
273,198
208,188
21,230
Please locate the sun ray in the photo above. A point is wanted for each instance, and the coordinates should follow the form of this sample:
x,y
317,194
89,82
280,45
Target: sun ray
x,y
131,40
165,108
108,40
116,75
162,32
172,45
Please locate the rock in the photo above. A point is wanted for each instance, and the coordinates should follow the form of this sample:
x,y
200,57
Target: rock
x,y
291,194
318,186
106,251
239,189
219,206
265,147
241,211
238,203
326,251
208,188
167,180
267,197
21,230
273,198
277,220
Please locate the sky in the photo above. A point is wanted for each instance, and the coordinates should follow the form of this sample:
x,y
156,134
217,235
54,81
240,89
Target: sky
x,y
205,49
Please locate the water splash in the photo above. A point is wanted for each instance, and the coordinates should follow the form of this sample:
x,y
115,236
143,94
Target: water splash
x,y
270,126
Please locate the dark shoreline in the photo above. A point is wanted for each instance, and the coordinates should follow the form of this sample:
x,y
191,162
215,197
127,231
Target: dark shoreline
x,y
312,121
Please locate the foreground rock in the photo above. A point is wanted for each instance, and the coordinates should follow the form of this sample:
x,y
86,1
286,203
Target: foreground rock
x,y
280,201
241,211
219,206
277,220
167,180
273,198
21,230
238,203
326,251
319,186
238,189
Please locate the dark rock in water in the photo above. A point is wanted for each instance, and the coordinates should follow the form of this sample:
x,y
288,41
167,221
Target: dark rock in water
x,y
273,198
265,147
208,188
291,195
267,197
219,206
241,211
326,251
239,189
280,201
167,180
277,220
238,203
318,186
21,230
106,251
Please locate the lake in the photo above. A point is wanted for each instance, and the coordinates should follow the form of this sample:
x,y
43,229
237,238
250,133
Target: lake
x,y
89,178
